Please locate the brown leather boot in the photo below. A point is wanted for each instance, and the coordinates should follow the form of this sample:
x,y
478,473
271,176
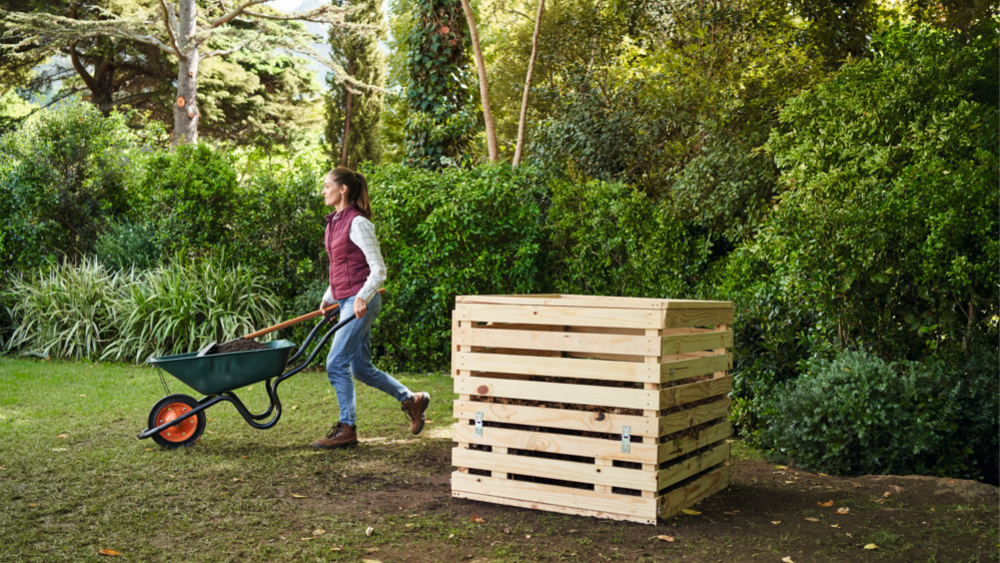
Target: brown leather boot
x,y
340,436
414,408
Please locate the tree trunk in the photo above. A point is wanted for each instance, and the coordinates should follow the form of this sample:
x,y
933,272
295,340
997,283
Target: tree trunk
x,y
527,85
347,119
186,113
484,94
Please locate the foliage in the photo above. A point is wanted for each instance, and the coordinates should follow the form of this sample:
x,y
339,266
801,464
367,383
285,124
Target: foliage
x,y
457,232
126,244
65,311
361,55
190,196
859,414
884,222
62,178
13,111
439,123
182,306
610,239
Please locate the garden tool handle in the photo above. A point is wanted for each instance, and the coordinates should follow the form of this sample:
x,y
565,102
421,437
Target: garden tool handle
x,y
296,320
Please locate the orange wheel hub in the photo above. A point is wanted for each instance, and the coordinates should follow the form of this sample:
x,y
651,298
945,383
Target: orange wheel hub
x,y
179,432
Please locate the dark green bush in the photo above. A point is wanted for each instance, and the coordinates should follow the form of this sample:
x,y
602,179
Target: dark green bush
x,y
858,414
189,195
126,244
458,232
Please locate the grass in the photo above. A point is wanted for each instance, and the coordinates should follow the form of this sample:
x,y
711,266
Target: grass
x,y
101,488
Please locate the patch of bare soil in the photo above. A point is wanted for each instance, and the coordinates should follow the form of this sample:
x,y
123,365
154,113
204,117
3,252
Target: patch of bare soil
x,y
768,513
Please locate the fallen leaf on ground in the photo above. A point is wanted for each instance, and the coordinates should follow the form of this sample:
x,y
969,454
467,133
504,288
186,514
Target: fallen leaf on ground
x,y
787,560
210,432
371,550
691,512
666,538
834,525
451,536
871,546
237,480
813,519
407,525
789,482
298,496
527,537
776,522
110,552
822,474
572,531
171,476
825,503
848,534
733,513
478,520
319,532
781,467
295,407
60,449
886,495
335,548
413,516
506,530
307,539
344,475
148,450
843,510
62,436
33,505
3,467
369,531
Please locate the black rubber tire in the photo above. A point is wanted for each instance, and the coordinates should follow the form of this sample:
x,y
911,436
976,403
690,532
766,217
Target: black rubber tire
x,y
178,398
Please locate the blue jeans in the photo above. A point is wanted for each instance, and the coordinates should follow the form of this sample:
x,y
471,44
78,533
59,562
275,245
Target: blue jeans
x,y
351,354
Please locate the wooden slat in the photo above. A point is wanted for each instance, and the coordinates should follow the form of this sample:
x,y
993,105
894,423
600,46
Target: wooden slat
x,y
682,470
677,448
557,443
549,494
681,343
564,367
681,394
698,317
683,497
575,511
698,304
567,316
556,469
561,341
557,300
686,367
558,418
568,393
675,422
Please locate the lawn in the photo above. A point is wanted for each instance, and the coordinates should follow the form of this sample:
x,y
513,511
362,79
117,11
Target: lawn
x,y
75,480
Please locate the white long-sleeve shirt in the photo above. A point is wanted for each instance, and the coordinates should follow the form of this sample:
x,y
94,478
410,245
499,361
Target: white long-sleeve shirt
x,y
362,234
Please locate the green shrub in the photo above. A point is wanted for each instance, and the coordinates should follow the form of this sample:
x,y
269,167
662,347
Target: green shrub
x,y
458,232
182,306
65,311
886,222
126,244
858,414
189,195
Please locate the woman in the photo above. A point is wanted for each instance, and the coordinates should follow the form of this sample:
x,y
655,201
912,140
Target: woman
x,y
356,272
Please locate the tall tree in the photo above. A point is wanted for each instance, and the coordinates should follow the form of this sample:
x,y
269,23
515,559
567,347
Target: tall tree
x,y
353,117
438,126
527,84
183,29
484,89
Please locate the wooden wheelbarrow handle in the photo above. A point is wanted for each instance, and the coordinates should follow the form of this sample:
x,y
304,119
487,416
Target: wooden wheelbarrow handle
x,y
296,320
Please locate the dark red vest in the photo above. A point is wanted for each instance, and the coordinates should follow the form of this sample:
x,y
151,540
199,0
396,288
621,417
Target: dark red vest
x,y
348,267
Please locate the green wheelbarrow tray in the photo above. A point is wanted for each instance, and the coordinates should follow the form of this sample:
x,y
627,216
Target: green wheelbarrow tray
x,y
211,375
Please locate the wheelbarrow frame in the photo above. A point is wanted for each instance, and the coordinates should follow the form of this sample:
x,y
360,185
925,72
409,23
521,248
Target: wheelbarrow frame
x,y
271,385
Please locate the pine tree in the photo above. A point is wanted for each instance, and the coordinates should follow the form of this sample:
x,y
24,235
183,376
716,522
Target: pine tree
x,y
354,114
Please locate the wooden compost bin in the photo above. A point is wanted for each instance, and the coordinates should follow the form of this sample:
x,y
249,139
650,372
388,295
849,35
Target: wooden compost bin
x,y
600,406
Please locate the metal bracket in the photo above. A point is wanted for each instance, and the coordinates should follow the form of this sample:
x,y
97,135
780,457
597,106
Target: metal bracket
x,y
479,425
626,439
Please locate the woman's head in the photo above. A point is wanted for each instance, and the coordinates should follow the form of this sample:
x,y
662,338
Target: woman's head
x,y
349,187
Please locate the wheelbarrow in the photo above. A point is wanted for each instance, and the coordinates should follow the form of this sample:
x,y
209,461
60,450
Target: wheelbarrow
x,y
178,420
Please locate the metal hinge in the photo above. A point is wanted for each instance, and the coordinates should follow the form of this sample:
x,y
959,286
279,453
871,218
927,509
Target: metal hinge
x,y
479,425
626,439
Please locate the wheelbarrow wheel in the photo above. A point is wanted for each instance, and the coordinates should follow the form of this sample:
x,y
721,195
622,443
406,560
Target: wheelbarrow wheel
x,y
186,432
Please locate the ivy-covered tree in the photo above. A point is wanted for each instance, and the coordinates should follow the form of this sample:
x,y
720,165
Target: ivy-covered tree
x,y
353,117
439,125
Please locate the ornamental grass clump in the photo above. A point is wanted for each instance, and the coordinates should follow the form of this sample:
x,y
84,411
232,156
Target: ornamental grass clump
x,y
66,310
182,306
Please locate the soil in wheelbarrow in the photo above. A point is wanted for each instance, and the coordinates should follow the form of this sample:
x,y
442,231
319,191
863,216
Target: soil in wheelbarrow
x,y
241,345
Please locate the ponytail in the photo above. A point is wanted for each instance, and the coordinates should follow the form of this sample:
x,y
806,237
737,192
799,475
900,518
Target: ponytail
x,y
357,188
